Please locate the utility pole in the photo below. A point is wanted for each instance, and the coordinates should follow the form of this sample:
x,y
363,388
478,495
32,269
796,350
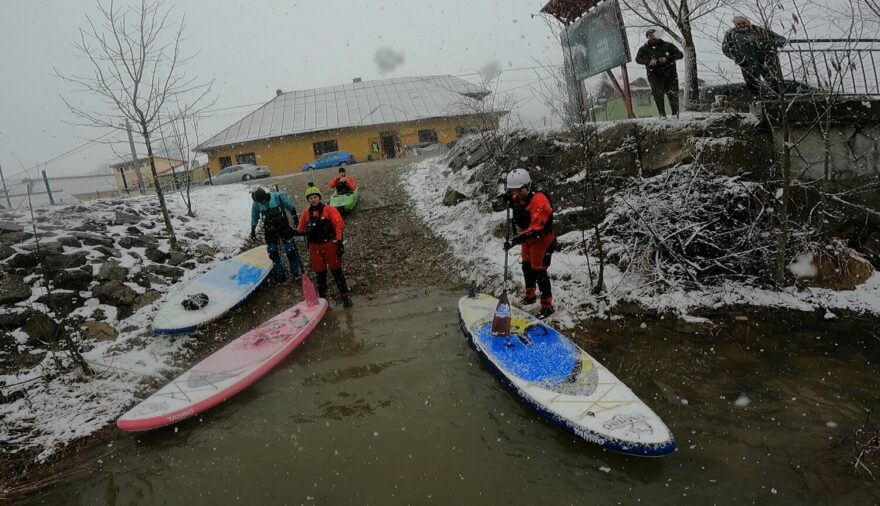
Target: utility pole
x,y
134,158
5,191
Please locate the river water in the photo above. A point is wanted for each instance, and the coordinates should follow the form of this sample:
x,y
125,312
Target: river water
x,y
386,404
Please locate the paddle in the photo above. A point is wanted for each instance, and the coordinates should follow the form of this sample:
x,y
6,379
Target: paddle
x,y
501,319
308,288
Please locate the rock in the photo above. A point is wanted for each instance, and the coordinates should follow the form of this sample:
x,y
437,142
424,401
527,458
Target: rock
x,y
11,226
143,241
156,255
125,218
6,252
40,328
149,225
99,331
61,303
152,279
163,270
108,252
665,147
93,239
192,234
98,314
133,231
114,293
45,247
77,280
188,265
13,320
145,299
58,262
27,260
87,226
15,237
177,257
453,197
843,269
205,250
13,289
111,271
69,241
125,242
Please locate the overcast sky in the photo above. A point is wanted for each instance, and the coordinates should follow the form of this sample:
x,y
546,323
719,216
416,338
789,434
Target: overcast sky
x,y
253,48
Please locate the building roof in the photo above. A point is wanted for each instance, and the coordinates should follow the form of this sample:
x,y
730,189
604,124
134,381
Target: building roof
x,y
355,104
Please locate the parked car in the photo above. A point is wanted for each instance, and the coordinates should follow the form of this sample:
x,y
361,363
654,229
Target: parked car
x,y
238,173
331,159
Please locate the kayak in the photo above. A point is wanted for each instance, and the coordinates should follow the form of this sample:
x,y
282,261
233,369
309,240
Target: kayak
x,y
345,202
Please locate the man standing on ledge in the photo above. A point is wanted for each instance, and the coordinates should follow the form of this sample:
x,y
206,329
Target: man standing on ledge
x,y
755,50
659,56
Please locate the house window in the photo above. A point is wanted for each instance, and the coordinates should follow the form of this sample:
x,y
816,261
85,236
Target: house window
x,y
428,136
250,158
225,161
324,147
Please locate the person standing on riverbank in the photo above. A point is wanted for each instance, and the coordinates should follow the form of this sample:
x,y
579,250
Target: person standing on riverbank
x,y
322,225
532,216
274,208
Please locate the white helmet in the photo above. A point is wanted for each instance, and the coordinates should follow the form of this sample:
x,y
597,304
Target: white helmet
x,y
517,178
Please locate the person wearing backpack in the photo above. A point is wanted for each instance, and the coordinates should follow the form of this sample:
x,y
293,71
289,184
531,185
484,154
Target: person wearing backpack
x,y
273,208
343,183
322,225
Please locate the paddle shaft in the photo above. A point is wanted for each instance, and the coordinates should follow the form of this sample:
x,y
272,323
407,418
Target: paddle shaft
x,y
506,251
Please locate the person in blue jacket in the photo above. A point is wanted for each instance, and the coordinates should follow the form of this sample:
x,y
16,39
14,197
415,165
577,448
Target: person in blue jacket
x,y
274,208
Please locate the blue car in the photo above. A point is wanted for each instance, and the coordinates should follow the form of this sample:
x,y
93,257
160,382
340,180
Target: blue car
x,y
331,159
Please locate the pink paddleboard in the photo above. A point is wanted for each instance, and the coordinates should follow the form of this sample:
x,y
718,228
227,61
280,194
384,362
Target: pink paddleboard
x,y
228,371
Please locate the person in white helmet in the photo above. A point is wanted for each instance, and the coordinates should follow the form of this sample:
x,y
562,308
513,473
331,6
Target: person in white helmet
x,y
532,217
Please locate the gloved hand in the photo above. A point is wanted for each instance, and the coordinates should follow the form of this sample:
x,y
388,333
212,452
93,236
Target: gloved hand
x,y
507,245
340,248
517,239
253,234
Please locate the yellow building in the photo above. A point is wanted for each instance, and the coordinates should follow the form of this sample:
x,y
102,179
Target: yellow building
x,y
368,119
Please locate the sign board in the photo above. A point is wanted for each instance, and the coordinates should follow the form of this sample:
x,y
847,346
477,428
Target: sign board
x,y
597,41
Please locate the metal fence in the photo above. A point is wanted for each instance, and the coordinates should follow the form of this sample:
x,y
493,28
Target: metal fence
x,y
43,191
845,67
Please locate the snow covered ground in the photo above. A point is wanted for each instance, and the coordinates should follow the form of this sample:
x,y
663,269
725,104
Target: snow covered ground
x,y
468,228
60,408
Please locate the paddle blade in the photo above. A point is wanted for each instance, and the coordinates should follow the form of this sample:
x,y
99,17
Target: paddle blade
x,y
309,292
501,319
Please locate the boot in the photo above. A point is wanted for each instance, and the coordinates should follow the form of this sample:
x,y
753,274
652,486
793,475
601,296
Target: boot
x,y
346,300
545,312
341,283
529,298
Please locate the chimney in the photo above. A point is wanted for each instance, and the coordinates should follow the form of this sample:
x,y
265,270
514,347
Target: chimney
x,y
356,80
278,92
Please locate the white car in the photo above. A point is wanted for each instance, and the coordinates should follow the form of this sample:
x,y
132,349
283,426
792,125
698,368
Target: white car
x,y
238,173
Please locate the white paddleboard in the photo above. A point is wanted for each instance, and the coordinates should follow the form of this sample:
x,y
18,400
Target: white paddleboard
x,y
227,285
562,382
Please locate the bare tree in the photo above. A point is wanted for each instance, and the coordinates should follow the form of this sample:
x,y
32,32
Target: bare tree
x,y
677,19
136,63
181,139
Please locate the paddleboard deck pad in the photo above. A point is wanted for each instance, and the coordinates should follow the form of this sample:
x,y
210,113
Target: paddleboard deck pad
x,y
563,382
227,285
228,371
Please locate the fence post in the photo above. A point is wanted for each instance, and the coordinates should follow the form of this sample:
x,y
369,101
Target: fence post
x,y
48,190
5,191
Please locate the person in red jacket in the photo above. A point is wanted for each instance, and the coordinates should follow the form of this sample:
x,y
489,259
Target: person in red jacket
x,y
343,183
533,218
322,225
